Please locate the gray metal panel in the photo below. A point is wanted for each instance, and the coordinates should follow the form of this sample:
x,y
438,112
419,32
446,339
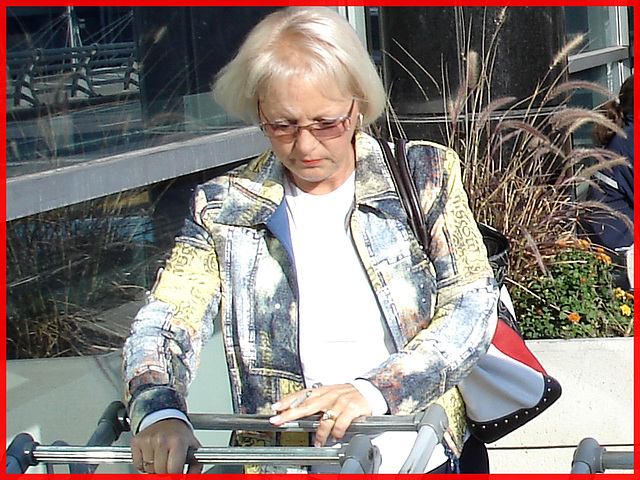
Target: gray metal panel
x,y
39,192
587,60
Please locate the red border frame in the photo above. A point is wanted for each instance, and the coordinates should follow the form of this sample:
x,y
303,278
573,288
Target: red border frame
x,y
271,3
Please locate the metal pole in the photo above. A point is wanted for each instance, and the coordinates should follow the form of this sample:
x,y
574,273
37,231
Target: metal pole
x,y
219,455
433,424
368,424
617,460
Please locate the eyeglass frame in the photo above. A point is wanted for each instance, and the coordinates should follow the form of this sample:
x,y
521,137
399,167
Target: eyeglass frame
x,y
310,127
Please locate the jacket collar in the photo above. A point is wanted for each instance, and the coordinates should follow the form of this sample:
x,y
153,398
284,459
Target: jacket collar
x,y
257,190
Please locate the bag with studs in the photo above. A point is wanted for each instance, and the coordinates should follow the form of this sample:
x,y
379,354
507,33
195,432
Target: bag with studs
x,y
508,386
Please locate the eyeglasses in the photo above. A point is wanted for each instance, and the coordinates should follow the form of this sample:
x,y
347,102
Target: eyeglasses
x,y
323,130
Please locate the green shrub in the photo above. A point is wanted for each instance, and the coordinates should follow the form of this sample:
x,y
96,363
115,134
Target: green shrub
x,y
575,298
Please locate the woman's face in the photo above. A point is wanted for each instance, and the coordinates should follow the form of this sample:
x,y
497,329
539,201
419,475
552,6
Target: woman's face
x,y
316,166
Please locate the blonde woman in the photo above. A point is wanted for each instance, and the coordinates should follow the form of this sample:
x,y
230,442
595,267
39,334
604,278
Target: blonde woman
x,y
327,302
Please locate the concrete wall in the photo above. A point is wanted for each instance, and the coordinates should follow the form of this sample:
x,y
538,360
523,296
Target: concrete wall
x,y
62,399
597,401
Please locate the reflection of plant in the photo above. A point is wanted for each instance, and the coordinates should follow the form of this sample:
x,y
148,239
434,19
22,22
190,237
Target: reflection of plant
x,y
66,268
575,298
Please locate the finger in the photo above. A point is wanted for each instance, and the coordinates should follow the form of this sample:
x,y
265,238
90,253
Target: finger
x,y
136,457
292,401
340,426
176,461
293,408
159,465
194,467
149,466
327,423
349,411
147,461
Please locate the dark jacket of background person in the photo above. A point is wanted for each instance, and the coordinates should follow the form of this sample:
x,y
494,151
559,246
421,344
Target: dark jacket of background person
x,y
615,185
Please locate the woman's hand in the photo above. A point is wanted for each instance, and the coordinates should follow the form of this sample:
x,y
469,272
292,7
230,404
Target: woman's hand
x,y
162,447
339,404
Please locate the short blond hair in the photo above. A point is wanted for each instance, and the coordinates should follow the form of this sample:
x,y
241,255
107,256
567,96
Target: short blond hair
x,y
313,43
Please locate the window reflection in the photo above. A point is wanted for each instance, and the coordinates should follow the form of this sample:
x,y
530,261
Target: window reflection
x,y
90,82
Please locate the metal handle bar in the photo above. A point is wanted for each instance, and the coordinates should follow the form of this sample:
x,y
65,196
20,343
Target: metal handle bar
x,y
359,456
368,425
58,454
359,453
590,457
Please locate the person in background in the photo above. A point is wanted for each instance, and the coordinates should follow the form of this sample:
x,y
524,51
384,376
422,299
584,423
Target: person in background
x,y
327,301
614,186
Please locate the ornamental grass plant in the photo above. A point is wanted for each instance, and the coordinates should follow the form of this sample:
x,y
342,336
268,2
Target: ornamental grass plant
x,y
524,176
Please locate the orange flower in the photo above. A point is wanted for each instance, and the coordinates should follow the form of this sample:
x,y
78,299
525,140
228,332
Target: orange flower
x,y
574,317
585,243
606,259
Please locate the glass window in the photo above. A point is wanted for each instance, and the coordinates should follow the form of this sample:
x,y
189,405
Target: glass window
x,y
77,275
90,82
599,24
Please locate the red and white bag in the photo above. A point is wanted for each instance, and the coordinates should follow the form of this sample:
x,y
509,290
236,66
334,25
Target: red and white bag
x,y
508,387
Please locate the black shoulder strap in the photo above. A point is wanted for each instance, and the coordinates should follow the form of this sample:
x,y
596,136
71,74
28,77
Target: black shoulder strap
x,y
406,188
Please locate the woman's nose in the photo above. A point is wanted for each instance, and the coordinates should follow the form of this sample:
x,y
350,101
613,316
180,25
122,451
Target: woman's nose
x,y
305,141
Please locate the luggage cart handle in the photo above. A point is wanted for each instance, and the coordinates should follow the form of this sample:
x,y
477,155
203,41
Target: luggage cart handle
x,y
433,422
361,452
114,421
370,425
591,457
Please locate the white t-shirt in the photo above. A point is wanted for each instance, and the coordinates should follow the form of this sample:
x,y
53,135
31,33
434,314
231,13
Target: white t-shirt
x,y
342,331
342,334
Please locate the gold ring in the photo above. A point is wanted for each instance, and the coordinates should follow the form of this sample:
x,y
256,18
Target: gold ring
x,y
329,415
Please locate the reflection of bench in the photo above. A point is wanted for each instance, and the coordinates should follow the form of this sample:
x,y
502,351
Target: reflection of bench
x,y
114,63
59,72
20,67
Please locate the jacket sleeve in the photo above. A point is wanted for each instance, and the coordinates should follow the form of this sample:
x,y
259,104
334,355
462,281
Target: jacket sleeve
x,y
162,352
464,320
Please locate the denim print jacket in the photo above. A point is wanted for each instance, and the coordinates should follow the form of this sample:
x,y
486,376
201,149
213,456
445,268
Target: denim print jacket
x,y
232,259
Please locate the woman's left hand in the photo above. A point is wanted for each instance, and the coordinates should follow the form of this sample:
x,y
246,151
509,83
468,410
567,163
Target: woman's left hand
x,y
339,404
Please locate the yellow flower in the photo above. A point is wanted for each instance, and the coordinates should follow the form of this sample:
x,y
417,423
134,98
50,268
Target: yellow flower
x,y
625,310
606,259
574,317
620,293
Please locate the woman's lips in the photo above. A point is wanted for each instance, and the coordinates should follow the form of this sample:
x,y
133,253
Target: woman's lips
x,y
311,161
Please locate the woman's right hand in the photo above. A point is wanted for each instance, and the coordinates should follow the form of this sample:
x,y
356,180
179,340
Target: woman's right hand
x,y
162,447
